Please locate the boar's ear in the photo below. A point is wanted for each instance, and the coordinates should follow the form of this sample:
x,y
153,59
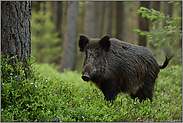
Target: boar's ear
x,y
105,43
83,40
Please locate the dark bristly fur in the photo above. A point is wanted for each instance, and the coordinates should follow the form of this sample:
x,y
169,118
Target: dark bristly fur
x,y
116,66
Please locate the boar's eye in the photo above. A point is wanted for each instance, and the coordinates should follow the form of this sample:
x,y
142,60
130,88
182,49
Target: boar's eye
x,y
96,55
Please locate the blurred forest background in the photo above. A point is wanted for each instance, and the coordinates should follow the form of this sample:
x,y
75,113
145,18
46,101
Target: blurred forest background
x,y
56,26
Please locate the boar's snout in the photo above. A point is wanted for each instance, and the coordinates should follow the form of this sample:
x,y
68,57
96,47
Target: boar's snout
x,y
86,73
85,77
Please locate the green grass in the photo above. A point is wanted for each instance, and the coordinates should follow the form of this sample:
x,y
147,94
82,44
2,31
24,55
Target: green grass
x,y
52,96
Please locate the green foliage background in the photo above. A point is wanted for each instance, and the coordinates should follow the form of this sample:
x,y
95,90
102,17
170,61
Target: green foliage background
x,y
43,38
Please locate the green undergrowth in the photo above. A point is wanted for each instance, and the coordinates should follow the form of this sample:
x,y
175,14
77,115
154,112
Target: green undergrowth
x,y
47,95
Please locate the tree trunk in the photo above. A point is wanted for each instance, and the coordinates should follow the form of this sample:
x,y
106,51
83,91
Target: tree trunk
x,y
143,24
90,19
109,18
16,29
100,20
167,10
57,18
120,21
156,6
70,39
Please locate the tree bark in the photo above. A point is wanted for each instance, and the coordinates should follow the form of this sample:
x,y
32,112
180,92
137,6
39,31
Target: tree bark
x,y
120,21
90,19
16,29
70,39
143,24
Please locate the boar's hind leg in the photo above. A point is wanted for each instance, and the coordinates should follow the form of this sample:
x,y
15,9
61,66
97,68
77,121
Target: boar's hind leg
x,y
144,92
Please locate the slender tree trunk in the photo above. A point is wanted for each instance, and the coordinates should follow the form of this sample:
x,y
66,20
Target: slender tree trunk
x,y
167,10
57,18
143,24
70,39
120,21
109,18
90,19
100,20
180,44
155,5
16,29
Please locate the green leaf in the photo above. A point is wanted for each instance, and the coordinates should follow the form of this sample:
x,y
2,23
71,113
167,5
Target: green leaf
x,y
142,33
137,31
144,15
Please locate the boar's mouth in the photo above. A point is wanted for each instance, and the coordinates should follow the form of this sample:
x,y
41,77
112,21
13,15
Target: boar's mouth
x,y
85,78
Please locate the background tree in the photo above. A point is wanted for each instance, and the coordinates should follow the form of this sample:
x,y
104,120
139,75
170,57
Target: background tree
x,y
89,16
100,18
57,18
16,29
69,46
143,24
109,18
120,20
90,19
155,5
167,10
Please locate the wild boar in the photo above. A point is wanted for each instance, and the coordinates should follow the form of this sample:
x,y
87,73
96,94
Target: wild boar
x,y
116,66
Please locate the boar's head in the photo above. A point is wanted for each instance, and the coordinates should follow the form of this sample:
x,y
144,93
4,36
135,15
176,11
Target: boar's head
x,y
96,52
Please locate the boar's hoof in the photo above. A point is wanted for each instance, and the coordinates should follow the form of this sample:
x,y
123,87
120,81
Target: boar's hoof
x,y
85,77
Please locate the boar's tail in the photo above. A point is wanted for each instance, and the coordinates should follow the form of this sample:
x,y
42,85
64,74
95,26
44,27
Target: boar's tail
x,y
165,62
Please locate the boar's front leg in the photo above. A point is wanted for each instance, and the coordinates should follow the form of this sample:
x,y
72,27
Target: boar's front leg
x,y
109,90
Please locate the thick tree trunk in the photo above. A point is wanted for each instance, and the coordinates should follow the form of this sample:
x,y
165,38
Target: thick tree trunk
x,y
90,19
120,20
16,29
70,39
143,24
